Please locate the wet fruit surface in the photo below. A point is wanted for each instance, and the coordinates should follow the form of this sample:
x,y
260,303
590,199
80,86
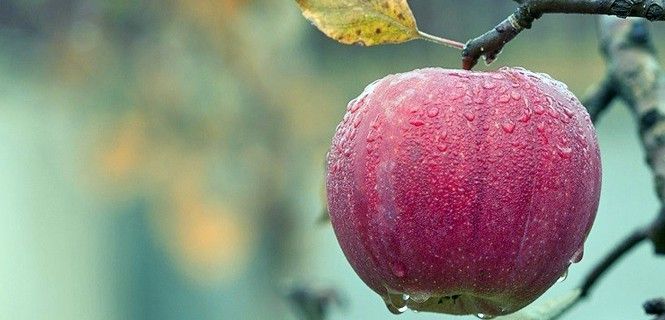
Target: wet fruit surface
x,y
463,192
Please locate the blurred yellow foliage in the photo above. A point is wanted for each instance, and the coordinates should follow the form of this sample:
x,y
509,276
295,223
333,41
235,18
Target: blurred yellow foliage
x,y
123,153
209,240
212,13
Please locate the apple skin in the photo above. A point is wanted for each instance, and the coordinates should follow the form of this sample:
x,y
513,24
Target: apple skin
x,y
463,192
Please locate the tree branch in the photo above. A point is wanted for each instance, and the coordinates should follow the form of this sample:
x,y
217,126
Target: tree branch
x,y
640,81
490,44
615,255
599,98
655,307
635,76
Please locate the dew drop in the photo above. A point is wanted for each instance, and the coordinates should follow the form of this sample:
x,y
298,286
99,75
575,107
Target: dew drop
x,y
568,112
334,168
357,121
353,106
372,136
483,316
497,76
564,152
396,301
545,75
398,269
541,127
526,116
508,127
515,95
503,98
577,256
396,310
416,122
479,100
469,116
563,277
538,109
346,118
376,122
442,147
433,112
456,94
489,85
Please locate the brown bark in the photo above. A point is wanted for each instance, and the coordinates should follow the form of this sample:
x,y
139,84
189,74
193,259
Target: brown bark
x,y
490,44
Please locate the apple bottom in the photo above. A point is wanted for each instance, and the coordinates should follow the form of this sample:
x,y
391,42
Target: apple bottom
x,y
457,304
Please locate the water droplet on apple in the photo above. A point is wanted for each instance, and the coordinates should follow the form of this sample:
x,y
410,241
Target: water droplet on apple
x,y
515,95
564,152
538,109
353,106
563,277
503,99
489,85
357,121
577,256
526,116
483,316
376,122
372,136
433,112
508,127
416,122
469,116
396,310
396,301
398,269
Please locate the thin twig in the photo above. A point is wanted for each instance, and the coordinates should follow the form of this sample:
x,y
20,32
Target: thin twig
x,y
441,41
655,306
490,44
612,257
599,98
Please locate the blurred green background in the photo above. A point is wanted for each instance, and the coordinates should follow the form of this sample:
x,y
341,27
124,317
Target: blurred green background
x,y
164,159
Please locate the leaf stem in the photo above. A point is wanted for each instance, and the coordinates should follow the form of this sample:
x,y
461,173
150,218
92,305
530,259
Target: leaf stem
x,y
441,41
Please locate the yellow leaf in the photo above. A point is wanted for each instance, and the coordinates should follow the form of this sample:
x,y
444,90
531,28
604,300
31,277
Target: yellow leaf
x,y
364,22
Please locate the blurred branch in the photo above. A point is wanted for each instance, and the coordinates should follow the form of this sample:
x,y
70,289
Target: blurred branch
x,y
617,253
635,76
491,43
313,303
655,307
599,98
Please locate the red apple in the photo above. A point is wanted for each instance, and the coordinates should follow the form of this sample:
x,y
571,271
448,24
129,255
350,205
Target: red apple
x,y
463,192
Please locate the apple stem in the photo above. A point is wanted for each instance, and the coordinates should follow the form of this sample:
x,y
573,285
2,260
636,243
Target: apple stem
x,y
441,41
